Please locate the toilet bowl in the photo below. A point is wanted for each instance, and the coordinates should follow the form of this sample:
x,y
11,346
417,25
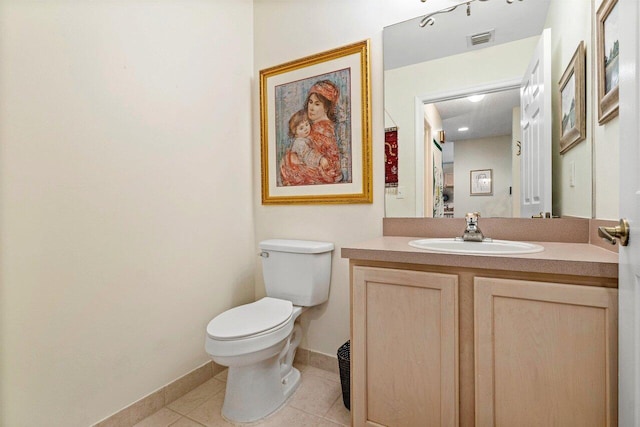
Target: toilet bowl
x,y
258,341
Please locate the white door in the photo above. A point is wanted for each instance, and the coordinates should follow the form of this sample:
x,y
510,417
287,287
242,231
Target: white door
x,y
535,110
629,270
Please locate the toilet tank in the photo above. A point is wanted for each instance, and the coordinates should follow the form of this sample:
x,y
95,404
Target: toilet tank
x,y
297,270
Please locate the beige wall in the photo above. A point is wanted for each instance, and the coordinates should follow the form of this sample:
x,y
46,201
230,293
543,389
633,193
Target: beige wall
x,y
483,153
126,185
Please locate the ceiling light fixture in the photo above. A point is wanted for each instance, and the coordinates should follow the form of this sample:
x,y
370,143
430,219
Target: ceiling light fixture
x,y
476,98
463,129
429,20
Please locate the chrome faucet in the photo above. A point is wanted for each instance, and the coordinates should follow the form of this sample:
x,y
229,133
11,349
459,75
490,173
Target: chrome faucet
x,y
472,232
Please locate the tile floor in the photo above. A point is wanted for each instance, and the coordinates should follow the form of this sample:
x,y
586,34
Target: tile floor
x,y
316,403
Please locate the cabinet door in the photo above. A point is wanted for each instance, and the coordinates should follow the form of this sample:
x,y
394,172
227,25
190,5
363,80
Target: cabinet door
x,y
404,348
546,354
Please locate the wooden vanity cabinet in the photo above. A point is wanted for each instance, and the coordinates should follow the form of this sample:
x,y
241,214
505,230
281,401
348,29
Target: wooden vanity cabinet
x,y
545,353
404,348
430,348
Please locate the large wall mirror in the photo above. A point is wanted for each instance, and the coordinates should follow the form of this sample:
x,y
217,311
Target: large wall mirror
x,y
461,107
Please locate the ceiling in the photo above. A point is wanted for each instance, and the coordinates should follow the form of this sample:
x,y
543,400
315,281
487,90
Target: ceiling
x,y
492,116
448,36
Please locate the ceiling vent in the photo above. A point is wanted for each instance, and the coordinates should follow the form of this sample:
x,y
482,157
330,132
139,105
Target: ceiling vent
x,y
481,38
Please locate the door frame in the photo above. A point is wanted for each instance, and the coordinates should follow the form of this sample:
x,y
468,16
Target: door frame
x,y
421,101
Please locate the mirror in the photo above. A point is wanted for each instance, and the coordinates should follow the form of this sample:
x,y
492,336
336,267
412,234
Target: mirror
x,y
471,48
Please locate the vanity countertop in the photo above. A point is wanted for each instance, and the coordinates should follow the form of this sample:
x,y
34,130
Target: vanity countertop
x,y
577,259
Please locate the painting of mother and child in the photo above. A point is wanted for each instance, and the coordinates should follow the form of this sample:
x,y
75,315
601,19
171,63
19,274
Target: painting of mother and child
x,y
313,130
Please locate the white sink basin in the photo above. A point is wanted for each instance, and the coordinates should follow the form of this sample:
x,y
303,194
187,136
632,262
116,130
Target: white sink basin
x,y
487,247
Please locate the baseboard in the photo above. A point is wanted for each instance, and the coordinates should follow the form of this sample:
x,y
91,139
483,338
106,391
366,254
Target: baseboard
x,y
155,401
318,360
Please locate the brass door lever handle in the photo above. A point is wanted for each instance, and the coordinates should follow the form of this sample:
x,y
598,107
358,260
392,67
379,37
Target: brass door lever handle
x,y
620,231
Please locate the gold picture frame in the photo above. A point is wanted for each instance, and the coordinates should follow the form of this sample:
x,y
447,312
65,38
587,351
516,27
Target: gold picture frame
x,y
607,41
572,86
315,129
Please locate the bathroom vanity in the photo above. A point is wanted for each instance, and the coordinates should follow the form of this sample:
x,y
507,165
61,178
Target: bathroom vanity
x,y
486,340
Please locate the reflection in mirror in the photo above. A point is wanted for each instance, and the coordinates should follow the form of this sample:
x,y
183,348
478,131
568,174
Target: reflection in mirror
x,y
430,72
478,133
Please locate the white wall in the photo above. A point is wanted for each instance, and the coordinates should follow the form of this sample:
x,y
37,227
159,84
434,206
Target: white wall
x,y
483,153
402,85
126,186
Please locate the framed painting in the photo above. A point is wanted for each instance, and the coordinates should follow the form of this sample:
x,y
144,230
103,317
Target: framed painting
x,y
572,101
608,49
481,182
315,128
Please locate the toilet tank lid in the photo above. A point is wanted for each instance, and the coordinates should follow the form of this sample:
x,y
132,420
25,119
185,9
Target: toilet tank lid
x,y
296,246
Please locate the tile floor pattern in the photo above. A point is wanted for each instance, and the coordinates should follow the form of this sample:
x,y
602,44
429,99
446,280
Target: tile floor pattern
x,y
316,403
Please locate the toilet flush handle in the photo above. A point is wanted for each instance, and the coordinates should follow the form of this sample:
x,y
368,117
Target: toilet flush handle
x,y
264,254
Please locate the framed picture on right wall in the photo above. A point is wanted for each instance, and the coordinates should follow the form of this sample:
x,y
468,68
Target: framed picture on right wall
x,y
572,102
608,49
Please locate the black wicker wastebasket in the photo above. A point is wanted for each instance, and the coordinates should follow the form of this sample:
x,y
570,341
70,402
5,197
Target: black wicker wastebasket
x,y
344,356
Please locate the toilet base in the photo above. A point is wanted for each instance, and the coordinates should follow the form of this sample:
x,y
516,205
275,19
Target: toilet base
x,y
255,392
260,382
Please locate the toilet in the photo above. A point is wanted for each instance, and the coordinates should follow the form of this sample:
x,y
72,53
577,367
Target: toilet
x,y
258,341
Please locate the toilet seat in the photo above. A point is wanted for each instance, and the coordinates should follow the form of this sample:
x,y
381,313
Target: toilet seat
x,y
251,319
